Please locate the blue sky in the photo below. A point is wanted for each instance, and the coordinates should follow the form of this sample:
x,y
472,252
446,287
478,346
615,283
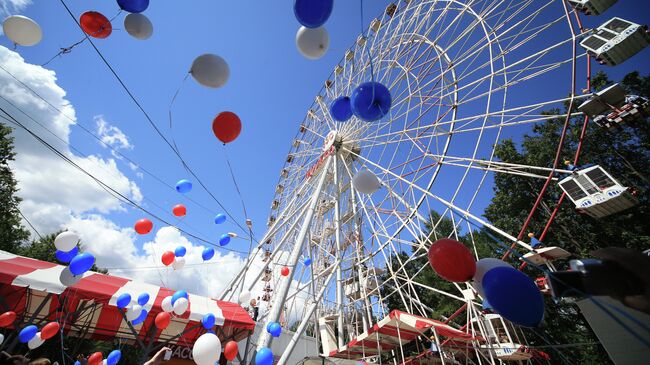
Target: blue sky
x,y
270,88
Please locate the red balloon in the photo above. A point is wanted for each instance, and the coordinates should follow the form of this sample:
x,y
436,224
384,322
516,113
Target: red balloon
x,y
452,260
7,319
95,24
143,226
168,258
179,210
226,126
231,350
284,271
50,330
95,359
162,320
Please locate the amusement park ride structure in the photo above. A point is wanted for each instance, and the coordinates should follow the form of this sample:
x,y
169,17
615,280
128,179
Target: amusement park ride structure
x,y
460,74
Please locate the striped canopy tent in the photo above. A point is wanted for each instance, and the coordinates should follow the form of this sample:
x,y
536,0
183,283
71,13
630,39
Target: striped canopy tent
x,y
87,309
393,332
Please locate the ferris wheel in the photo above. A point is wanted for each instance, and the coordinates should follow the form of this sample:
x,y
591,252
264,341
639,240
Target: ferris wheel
x,y
463,75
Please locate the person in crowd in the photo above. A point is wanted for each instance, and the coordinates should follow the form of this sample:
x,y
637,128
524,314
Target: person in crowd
x,y
254,310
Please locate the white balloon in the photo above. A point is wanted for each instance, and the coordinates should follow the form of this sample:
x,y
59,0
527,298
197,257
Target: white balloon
x,y
366,182
133,312
138,26
483,266
207,349
66,241
180,306
312,42
67,278
167,304
105,362
210,70
36,341
2,338
22,30
244,297
178,263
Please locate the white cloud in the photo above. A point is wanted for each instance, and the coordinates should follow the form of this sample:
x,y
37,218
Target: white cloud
x,y
10,7
111,135
52,190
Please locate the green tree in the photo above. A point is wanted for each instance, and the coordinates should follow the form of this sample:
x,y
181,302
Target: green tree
x,y
12,233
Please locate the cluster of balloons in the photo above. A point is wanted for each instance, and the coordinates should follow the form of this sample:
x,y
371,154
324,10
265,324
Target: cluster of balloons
x,y
312,38
135,312
31,335
369,102
97,358
177,303
274,329
175,258
97,25
508,291
67,251
364,181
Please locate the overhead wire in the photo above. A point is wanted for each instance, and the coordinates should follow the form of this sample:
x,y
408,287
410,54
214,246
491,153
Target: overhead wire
x,y
126,199
149,119
115,151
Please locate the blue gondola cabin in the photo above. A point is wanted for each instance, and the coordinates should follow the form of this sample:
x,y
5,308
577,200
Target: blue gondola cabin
x,y
597,193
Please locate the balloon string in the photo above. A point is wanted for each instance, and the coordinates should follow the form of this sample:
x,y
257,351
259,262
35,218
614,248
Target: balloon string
x,y
171,120
64,50
234,180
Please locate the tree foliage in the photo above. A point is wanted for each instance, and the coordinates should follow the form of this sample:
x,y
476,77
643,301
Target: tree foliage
x,y
12,233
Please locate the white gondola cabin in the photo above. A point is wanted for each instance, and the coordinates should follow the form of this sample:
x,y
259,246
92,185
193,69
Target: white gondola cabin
x,y
502,339
592,7
616,40
611,107
597,193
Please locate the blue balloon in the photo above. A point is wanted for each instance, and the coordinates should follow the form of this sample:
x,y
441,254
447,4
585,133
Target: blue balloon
x,y
65,257
224,239
486,305
341,109
264,356
133,6
81,263
141,317
184,186
143,298
114,357
274,329
208,253
77,363
180,251
208,321
123,300
220,218
514,296
313,13
179,294
370,101
27,333
307,261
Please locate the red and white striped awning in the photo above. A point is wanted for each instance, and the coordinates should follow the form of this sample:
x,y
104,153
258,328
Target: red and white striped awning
x,y
87,308
395,330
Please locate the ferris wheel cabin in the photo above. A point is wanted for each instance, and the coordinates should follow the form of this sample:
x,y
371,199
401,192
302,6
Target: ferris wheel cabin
x,y
616,40
596,193
592,7
611,106
502,339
